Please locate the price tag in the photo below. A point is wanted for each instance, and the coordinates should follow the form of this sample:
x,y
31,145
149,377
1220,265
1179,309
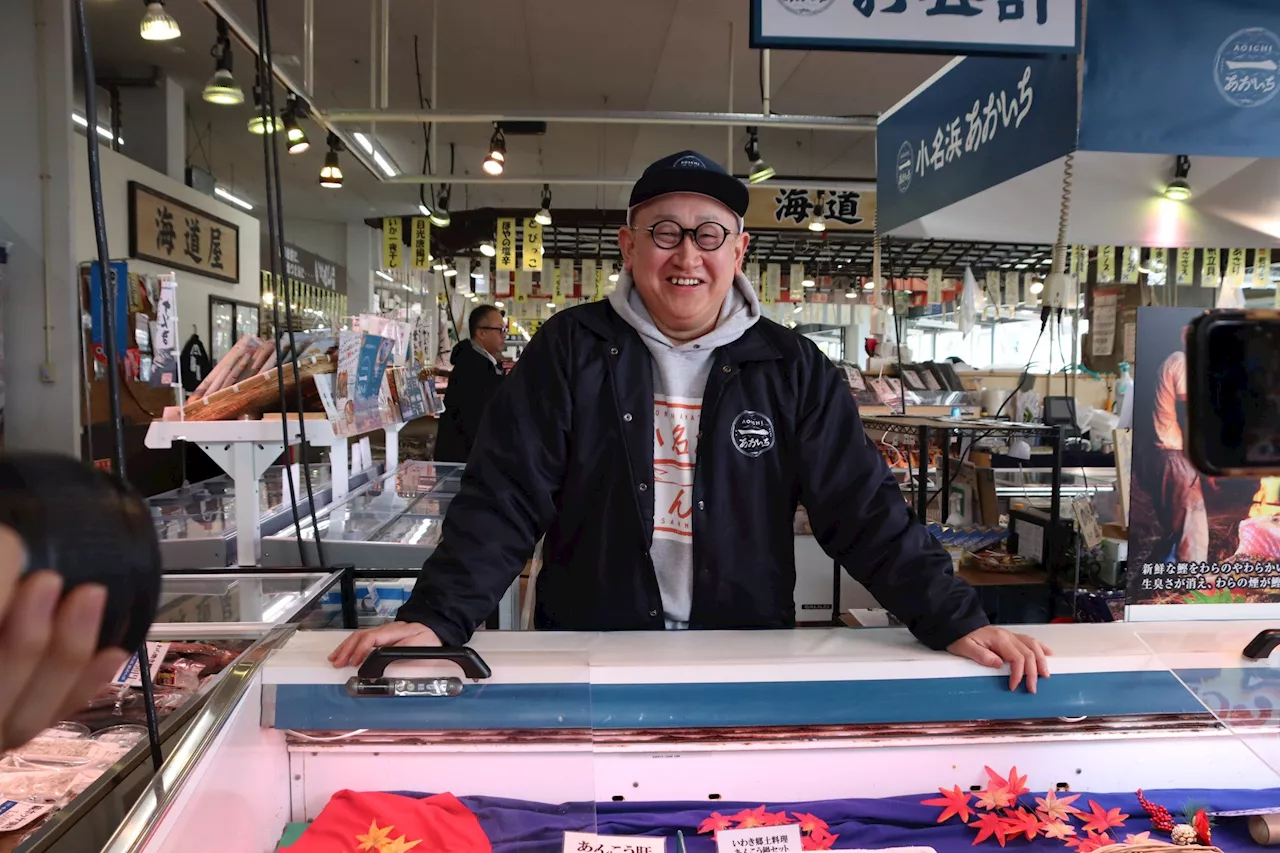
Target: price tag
x,y
131,675
760,839
1087,519
586,842
14,815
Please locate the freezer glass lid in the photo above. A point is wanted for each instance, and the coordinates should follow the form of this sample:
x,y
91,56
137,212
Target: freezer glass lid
x,y
421,490
236,598
207,509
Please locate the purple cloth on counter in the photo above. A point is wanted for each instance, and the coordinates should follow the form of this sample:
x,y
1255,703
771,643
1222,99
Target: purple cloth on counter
x,y
517,826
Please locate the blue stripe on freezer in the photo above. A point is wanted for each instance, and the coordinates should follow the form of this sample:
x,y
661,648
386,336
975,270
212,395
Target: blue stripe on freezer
x,y
656,706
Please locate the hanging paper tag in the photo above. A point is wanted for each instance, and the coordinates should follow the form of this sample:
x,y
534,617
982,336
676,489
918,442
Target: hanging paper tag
x,y
795,282
420,241
760,839
531,257
1129,264
1235,267
1262,268
1010,289
1158,267
1106,264
1186,274
586,842
392,238
772,283
506,244
1087,519
934,285
1210,271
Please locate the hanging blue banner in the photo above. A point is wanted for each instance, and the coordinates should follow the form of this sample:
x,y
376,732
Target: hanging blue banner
x,y
1183,77
971,27
984,121
120,276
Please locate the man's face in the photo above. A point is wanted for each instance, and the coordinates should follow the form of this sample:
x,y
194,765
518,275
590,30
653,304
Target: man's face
x,y
491,334
683,287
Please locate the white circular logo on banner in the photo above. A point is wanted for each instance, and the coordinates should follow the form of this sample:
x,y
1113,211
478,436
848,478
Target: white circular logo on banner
x,y
752,433
906,163
806,7
1247,67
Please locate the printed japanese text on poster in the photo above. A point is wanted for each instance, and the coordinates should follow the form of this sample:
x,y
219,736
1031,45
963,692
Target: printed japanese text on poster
x,y
392,242
970,27
531,257
984,121
506,244
421,242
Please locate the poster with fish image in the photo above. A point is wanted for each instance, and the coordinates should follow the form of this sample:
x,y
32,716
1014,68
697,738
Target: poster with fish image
x,y
1193,540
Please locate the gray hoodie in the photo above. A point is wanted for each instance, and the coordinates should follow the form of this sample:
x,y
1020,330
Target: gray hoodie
x,y
679,378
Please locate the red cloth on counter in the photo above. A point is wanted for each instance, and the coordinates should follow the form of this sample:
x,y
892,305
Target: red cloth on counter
x,y
390,823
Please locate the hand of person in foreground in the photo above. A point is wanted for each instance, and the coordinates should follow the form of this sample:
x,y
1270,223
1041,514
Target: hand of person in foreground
x,y
994,647
355,648
49,658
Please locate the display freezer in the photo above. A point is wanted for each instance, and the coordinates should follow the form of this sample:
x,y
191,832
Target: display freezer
x,y
659,733
196,524
201,616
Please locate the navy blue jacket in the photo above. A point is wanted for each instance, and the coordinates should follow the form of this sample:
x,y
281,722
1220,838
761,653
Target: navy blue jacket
x,y
566,450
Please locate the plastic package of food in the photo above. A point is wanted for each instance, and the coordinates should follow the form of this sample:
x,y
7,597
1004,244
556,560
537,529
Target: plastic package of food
x,y
180,674
58,751
66,730
126,735
44,786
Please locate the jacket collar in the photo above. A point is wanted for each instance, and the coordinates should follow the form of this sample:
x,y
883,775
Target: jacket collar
x,y
754,345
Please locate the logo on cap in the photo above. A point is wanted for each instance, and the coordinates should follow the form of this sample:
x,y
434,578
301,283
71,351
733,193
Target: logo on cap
x,y
689,162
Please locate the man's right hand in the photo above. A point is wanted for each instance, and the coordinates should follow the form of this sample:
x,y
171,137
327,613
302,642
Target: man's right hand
x,y
355,648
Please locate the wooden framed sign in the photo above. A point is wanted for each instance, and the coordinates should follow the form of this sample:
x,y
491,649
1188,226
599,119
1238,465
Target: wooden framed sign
x,y
174,234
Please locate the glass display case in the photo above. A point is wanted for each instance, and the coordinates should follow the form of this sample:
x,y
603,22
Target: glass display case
x,y
841,738
78,779
196,523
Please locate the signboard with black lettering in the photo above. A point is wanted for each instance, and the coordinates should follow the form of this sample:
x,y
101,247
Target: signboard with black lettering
x,y
308,267
174,234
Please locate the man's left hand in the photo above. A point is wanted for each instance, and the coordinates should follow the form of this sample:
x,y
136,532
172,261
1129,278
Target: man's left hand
x,y
993,647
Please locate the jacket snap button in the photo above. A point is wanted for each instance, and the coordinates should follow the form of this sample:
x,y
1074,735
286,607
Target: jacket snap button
x,y
644,487
653,613
627,417
702,505
613,350
727,369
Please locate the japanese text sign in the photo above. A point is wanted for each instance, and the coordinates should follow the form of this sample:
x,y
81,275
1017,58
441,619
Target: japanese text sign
x,y
174,234
1210,270
531,257
164,365
506,244
586,842
918,26
392,242
982,122
1186,270
420,242
1261,267
760,839
794,207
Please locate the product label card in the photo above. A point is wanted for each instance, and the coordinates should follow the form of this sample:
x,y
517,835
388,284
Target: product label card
x,y
760,839
586,842
15,815
131,675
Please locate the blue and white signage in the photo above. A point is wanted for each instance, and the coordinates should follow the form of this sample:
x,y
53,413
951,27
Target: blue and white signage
x,y
984,121
1183,77
971,27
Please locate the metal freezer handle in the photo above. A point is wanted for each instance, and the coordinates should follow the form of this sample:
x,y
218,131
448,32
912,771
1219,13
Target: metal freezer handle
x,y
467,659
1261,646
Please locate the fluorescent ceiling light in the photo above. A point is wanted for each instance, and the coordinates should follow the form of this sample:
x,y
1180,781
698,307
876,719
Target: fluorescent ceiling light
x,y
103,130
382,275
236,200
364,142
387,168
423,209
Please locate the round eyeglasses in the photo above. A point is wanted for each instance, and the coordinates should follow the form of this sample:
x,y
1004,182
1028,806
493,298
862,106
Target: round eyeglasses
x,y
708,236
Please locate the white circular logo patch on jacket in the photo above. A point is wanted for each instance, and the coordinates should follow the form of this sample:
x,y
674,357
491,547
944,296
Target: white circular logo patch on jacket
x,y
752,433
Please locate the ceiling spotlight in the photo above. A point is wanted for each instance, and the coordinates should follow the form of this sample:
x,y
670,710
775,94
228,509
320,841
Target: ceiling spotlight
x,y
816,224
440,215
295,136
499,305
158,24
850,294
331,173
760,170
487,249
870,285
450,273
808,282
222,87
494,163
613,277
799,308
259,125
382,275
1178,189
1037,286
543,216
440,267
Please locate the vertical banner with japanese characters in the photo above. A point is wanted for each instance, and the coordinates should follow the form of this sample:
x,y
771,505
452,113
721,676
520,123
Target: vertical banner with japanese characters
x,y
1102,323
795,282
1158,267
1234,276
1186,267
531,256
1211,269
591,289
484,278
1106,264
505,243
420,242
520,291
933,284
752,272
992,288
164,364
464,279
1078,262
1129,264
1261,267
772,283
392,242
564,281
1010,295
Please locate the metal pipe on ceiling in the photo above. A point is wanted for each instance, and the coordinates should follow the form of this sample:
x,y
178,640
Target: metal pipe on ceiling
x,y
309,45
588,180
435,78
373,58
384,60
789,122
766,97
728,162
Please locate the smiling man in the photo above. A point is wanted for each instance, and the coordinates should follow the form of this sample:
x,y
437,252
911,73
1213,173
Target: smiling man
x,y
661,442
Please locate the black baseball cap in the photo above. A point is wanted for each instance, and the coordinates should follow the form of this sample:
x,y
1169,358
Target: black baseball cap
x,y
690,172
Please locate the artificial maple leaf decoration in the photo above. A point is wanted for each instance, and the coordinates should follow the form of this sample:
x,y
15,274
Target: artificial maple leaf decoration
x,y
990,825
775,819
1051,807
1022,822
1090,842
993,798
749,818
1100,819
1139,838
1015,785
715,823
819,839
1057,830
954,802
810,823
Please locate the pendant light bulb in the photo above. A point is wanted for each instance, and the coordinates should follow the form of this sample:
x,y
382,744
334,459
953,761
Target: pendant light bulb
x,y
222,88
496,161
1178,189
487,249
259,125
760,170
294,134
817,225
158,24
440,215
331,173
543,216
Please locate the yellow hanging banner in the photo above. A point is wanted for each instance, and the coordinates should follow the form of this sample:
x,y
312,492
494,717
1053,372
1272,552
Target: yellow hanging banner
x,y
532,255
1158,266
505,243
1235,267
522,285
1261,267
1106,264
1186,267
1211,269
1074,259
564,281
392,242
1129,265
420,241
